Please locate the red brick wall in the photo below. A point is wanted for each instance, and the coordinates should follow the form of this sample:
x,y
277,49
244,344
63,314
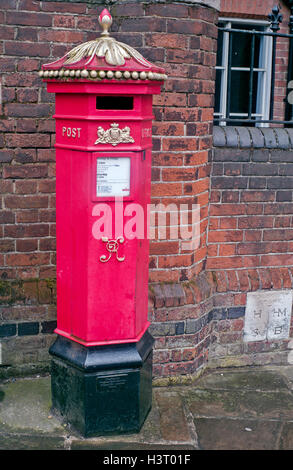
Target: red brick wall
x,y
251,8
183,129
181,38
250,223
200,322
250,235
197,298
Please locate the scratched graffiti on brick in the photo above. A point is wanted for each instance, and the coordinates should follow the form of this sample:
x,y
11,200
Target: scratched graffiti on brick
x,y
267,315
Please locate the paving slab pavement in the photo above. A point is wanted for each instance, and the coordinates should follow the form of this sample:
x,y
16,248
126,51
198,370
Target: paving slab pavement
x,y
227,409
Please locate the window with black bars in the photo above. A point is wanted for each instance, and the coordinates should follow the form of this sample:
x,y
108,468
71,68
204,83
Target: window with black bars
x,y
246,72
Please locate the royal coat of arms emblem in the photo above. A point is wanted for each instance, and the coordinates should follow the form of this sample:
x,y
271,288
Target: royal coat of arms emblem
x,y
114,135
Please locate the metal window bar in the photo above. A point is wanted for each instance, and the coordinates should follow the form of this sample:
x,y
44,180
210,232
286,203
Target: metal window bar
x,y
229,75
275,18
250,93
289,108
273,78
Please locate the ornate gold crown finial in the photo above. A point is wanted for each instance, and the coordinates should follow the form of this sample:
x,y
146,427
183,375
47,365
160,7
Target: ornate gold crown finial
x,y
105,20
88,60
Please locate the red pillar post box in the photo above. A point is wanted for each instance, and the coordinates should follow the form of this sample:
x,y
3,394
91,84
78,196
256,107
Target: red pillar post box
x,y
102,357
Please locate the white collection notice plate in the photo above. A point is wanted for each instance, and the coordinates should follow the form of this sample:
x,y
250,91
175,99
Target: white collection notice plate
x,y
113,176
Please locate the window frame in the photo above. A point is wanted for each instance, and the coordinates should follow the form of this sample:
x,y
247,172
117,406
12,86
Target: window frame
x,y
264,85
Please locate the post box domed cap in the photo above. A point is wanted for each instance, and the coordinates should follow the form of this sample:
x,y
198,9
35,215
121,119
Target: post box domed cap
x,y
102,58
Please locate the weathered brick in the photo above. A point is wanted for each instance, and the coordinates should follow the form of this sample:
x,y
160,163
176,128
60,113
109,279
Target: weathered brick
x,y
26,125
32,259
227,182
143,24
26,245
21,79
28,5
28,140
7,245
6,156
75,7
26,202
257,196
9,4
185,26
25,187
29,230
7,330
28,110
7,32
67,21
7,217
30,19
26,34
25,155
27,329
25,171
48,327
27,95
284,196
260,169
257,183
180,174
7,125
229,197
255,222
61,36
20,48
28,65
228,155
280,156
47,244
169,41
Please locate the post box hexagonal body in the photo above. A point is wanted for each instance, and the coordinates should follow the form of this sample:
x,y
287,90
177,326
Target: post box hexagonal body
x,y
102,300
103,352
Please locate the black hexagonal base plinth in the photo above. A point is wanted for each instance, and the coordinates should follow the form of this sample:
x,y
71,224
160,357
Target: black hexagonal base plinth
x,y
103,389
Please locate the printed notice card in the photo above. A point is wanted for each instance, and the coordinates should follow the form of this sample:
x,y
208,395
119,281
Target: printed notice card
x,y
113,176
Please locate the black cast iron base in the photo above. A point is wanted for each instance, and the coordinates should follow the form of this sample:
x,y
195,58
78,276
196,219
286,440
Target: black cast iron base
x,y
102,389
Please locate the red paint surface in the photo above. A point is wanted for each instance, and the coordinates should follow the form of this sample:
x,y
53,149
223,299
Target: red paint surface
x,y
99,303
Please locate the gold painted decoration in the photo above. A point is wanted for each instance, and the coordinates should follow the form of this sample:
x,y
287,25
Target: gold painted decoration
x,y
69,74
113,51
114,135
87,60
112,247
